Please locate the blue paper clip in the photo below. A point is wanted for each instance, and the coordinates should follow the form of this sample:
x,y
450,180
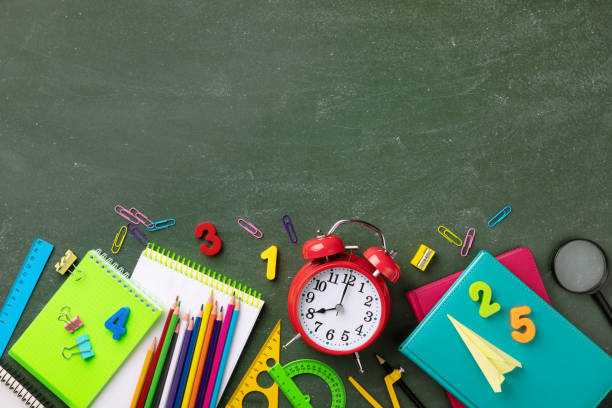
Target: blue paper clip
x,y
289,228
84,346
503,213
163,224
138,234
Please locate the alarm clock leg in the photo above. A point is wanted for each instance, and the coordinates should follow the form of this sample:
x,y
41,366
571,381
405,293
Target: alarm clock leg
x,y
296,337
359,362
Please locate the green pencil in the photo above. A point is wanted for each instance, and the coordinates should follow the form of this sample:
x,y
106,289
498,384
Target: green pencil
x,y
162,358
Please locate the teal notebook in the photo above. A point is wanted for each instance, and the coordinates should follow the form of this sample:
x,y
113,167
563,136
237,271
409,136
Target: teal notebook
x,y
561,367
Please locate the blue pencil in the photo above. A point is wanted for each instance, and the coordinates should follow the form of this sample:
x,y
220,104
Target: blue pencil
x,y
179,367
226,349
185,373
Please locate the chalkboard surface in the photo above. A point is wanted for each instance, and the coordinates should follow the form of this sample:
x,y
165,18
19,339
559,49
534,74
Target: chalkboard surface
x,y
409,115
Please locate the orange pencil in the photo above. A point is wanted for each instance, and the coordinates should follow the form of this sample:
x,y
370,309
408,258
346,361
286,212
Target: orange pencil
x,y
143,374
198,377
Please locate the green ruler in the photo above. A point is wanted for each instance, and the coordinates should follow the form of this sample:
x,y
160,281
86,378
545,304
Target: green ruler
x,y
283,375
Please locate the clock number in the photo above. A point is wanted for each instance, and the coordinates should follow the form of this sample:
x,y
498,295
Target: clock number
x,y
361,288
318,324
333,278
349,279
486,307
330,334
368,302
359,330
368,316
310,297
310,313
516,321
320,286
345,335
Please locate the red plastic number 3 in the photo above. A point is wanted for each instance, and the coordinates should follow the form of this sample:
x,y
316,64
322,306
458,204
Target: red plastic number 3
x,y
211,236
517,322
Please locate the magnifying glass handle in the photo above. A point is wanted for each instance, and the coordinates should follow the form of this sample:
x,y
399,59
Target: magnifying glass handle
x,y
605,306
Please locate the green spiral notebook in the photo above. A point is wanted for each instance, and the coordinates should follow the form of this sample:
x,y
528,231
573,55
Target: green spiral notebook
x,y
99,293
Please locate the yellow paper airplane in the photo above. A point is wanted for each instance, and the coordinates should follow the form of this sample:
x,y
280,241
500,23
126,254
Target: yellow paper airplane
x,y
492,361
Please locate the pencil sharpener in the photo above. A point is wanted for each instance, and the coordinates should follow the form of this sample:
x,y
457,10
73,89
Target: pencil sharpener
x,y
422,257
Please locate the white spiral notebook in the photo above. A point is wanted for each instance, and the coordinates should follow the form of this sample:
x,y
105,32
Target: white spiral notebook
x,y
164,275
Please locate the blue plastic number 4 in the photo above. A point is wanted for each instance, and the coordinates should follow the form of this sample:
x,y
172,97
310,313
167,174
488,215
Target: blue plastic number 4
x,y
116,323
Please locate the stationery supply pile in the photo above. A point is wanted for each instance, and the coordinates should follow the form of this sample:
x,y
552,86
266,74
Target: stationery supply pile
x,y
171,333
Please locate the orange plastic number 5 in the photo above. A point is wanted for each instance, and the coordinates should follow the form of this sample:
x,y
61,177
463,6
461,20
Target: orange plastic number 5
x,y
516,321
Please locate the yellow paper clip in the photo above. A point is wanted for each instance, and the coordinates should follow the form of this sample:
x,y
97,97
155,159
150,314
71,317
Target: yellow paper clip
x,y
391,379
422,257
450,236
364,393
119,238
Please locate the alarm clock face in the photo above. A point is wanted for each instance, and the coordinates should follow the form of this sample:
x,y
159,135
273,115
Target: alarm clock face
x,y
340,309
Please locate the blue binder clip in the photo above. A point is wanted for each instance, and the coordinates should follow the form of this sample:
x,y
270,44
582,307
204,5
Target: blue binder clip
x,y
84,346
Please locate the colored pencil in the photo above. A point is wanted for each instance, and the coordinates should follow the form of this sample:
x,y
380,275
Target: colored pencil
x,y
210,356
173,362
226,349
202,360
187,366
162,358
143,374
196,352
214,372
387,367
164,373
147,385
179,366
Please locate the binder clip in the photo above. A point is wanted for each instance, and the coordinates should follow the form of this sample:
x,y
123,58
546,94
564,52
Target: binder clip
x,y
66,264
71,324
84,346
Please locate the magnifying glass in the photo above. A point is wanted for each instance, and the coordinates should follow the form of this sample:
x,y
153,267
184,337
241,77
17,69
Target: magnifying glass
x,y
580,266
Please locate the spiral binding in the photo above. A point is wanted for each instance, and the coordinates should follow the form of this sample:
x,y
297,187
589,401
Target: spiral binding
x,y
211,278
14,385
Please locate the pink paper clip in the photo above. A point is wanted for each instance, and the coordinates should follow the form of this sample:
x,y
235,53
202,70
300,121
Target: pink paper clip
x,y
467,241
140,216
138,234
71,323
250,228
120,210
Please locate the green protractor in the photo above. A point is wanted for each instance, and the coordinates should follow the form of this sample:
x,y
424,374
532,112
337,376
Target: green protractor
x,y
283,375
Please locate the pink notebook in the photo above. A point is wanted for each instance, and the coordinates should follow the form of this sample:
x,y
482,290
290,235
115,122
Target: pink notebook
x,y
519,261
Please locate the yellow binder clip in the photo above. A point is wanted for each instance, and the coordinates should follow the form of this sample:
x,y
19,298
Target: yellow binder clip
x,y
66,264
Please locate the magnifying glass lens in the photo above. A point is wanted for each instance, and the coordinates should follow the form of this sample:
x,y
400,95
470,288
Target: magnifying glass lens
x,y
580,266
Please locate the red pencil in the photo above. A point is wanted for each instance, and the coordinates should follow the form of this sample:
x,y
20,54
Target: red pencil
x,y
145,389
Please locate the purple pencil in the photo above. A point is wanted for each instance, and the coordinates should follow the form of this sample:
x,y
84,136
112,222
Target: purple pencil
x,y
179,367
209,358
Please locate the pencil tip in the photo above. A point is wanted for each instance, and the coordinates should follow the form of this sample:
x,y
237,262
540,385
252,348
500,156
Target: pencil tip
x,y
380,359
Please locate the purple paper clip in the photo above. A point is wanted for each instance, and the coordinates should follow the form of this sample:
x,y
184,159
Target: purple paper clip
x,y
120,210
289,228
163,224
250,228
467,241
138,234
140,216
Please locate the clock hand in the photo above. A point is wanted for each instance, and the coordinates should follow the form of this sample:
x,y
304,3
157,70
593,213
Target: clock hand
x,y
342,298
322,310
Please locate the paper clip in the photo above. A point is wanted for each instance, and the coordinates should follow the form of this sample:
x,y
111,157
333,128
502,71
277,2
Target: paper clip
x,y
138,234
289,228
503,213
140,216
119,238
163,224
71,323
84,346
467,241
449,235
250,228
120,210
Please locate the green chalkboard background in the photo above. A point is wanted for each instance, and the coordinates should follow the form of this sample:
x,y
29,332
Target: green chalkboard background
x,y
407,114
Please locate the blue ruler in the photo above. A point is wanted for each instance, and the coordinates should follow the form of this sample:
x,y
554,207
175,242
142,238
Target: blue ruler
x,y
22,289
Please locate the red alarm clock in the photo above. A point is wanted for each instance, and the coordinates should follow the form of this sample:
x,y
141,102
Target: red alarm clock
x,y
339,301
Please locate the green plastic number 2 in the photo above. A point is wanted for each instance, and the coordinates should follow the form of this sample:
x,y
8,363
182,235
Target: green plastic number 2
x,y
486,307
116,323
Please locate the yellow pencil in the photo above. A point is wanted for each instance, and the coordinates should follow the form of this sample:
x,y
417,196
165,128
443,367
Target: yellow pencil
x,y
197,351
200,371
364,393
143,374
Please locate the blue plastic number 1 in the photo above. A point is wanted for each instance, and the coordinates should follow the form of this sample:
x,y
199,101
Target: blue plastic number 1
x,y
116,323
